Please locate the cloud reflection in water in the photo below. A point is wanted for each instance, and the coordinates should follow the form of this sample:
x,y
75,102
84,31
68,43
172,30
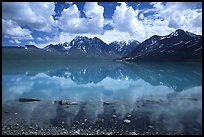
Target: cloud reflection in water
x,y
148,89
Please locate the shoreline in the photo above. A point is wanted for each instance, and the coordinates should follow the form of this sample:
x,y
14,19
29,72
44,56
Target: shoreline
x,y
21,129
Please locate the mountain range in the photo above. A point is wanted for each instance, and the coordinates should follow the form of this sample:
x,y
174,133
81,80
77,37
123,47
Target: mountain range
x,y
178,45
84,46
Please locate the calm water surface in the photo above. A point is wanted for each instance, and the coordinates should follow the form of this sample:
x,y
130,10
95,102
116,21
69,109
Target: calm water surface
x,y
161,97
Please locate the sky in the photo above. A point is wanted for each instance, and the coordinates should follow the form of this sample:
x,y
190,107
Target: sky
x,y
43,23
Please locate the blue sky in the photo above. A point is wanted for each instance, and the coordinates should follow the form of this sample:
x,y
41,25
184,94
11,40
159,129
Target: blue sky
x,y
42,23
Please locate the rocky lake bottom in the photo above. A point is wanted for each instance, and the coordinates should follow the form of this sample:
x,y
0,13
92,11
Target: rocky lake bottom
x,y
65,121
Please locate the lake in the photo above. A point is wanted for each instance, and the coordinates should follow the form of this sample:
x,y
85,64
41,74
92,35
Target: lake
x,y
114,97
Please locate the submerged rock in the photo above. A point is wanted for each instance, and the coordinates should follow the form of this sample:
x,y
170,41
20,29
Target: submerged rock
x,y
99,120
16,124
67,102
27,100
133,133
127,121
106,103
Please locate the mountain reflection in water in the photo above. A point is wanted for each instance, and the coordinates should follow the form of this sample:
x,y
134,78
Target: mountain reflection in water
x,y
178,76
163,94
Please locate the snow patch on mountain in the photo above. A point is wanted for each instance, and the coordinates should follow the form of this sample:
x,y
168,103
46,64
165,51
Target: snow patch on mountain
x,y
178,43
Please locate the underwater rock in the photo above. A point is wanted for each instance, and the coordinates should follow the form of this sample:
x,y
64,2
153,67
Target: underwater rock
x,y
27,100
67,102
127,121
106,103
114,116
99,120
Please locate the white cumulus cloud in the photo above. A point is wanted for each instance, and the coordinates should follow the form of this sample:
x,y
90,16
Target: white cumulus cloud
x,y
36,15
125,19
162,19
72,22
12,30
180,15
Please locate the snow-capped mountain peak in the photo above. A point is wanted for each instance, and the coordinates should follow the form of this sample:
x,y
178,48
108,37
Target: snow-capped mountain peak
x,y
174,33
155,46
66,44
177,45
133,41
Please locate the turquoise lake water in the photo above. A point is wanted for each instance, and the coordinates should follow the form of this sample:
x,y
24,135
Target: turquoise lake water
x,y
165,96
